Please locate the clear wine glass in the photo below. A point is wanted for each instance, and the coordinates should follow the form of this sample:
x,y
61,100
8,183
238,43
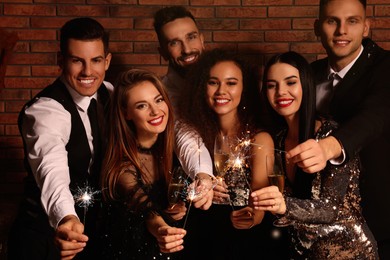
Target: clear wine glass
x,y
177,185
222,150
277,176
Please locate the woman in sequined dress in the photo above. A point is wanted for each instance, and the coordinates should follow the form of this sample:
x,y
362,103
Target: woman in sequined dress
x,y
223,100
138,158
325,213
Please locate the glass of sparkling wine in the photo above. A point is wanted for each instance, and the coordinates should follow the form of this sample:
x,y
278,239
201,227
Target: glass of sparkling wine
x,y
176,186
222,148
276,177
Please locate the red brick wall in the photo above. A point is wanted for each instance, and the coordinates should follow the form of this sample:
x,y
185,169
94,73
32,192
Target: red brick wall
x,y
254,27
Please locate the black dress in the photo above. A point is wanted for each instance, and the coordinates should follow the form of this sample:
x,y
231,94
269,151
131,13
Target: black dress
x,y
124,232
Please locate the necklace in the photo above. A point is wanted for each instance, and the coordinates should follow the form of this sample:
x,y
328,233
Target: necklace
x,y
144,150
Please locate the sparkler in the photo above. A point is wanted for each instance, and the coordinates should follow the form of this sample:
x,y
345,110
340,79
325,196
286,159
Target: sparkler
x,y
191,196
84,197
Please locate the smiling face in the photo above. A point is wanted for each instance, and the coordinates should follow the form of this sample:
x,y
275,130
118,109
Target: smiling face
x,y
148,111
284,89
182,43
342,27
224,88
84,66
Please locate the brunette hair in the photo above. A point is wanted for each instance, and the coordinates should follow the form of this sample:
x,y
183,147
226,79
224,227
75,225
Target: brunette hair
x,y
122,138
82,28
194,110
307,110
169,14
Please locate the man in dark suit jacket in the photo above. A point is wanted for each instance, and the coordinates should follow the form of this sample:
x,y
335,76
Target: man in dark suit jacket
x,y
62,143
360,103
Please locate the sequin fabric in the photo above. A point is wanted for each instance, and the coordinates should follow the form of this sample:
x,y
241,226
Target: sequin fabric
x,y
331,225
237,181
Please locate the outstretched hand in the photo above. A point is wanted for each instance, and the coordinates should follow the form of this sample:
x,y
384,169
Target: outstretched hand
x,y
309,155
269,198
69,237
203,189
170,239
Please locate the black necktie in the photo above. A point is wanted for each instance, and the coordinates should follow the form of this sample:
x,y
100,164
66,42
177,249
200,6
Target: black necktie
x,y
324,95
93,119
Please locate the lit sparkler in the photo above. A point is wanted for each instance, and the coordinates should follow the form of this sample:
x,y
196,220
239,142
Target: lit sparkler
x,y
84,197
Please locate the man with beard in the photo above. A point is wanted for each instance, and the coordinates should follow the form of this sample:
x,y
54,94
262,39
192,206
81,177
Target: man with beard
x,y
181,44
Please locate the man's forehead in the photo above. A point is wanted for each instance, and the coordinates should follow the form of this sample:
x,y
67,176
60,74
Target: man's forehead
x,y
179,28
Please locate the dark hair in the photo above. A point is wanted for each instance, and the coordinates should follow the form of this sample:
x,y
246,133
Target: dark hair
x,y
122,136
307,111
169,14
323,3
83,28
196,113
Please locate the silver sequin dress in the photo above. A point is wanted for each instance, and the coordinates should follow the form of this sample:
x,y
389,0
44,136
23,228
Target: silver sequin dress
x,y
330,225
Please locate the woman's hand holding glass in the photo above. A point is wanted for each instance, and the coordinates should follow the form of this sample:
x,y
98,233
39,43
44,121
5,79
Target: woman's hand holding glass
x,y
270,199
222,151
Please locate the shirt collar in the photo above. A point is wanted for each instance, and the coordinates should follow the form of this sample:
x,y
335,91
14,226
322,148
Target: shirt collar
x,y
80,100
344,71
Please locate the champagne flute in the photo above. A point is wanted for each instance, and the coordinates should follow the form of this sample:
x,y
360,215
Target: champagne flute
x,y
176,186
276,176
222,148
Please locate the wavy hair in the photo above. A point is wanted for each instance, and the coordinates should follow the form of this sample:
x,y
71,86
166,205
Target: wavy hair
x,y
122,137
196,113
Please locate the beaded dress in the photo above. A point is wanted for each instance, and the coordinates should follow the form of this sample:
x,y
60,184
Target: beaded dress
x,y
330,225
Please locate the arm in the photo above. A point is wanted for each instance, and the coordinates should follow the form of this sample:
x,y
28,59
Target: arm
x,y
169,239
322,209
195,160
192,153
45,129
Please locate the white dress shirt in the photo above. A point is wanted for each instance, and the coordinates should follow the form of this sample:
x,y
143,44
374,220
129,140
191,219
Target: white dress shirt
x,y
190,149
46,130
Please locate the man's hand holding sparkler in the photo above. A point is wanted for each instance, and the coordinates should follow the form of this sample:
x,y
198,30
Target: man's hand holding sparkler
x,y
69,237
203,186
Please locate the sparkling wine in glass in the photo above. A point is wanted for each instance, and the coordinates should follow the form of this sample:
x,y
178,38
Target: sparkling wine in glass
x,y
222,149
276,176
176,186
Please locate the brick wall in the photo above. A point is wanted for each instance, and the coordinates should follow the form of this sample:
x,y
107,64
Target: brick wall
x,y
254,27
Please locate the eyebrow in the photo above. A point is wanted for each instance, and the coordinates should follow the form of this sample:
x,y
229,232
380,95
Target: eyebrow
x,y
286,78
231,78
144,101
77,57
178,39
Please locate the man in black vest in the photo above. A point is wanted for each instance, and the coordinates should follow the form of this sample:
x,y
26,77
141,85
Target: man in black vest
x,y
359,101
62,144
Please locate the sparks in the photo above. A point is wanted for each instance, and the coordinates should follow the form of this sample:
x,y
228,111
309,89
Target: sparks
x,y
84,198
